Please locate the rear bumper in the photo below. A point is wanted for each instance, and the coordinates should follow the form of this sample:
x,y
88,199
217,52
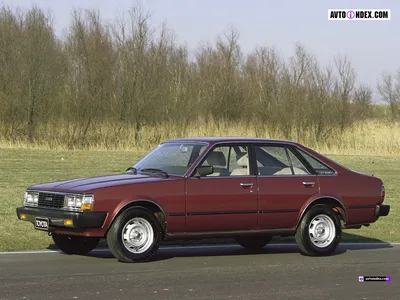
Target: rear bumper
x,y
80,220
382,210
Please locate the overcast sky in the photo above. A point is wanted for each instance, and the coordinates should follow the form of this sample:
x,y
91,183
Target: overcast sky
x,y
373,46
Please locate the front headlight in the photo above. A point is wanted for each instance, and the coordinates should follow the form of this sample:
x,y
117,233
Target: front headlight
x,y
31,198
79,202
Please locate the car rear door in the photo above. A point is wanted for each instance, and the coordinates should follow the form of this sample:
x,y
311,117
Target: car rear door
x,y
284,185
227,199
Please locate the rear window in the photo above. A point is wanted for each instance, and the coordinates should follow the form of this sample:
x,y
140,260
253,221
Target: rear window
x,y
319,167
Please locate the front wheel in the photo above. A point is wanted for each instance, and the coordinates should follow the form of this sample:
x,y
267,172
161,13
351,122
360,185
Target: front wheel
x,y
319,232
73,244
253,242
135,235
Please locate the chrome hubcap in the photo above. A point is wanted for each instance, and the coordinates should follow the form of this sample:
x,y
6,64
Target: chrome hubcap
x,y
322,231
137,235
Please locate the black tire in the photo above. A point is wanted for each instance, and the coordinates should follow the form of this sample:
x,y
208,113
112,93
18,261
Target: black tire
x,y
117,244
73,244
303,238
253,242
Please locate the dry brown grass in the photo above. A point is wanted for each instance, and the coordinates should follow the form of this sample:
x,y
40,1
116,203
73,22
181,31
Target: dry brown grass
x,y
377,138
372,137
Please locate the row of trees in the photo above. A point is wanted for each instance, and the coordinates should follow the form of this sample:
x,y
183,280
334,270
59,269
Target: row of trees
x,y
126,74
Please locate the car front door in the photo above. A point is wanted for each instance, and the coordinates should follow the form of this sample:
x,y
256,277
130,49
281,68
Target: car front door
x,y
284,184
225,200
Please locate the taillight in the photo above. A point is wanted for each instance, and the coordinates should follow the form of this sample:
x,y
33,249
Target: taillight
x,y
383,192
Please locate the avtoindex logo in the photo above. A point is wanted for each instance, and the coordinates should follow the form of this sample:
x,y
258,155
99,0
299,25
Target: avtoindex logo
x,y
359,14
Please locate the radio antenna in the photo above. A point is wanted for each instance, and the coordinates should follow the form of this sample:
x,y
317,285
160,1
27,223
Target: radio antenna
x,y
373,168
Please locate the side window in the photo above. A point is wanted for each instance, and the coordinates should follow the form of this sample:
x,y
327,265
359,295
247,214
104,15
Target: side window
x,y
228,161
298,166
239,161
316,165
218,158
273,160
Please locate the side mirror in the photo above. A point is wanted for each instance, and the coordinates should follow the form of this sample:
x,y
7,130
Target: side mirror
x,y
204,171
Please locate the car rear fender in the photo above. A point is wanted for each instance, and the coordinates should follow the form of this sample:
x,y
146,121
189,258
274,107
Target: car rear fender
x,y
336,204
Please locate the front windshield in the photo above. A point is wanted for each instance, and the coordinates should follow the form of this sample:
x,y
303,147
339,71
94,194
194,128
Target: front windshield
x,y
173,158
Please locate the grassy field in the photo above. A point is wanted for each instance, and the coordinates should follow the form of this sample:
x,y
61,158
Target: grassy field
x,y
21,167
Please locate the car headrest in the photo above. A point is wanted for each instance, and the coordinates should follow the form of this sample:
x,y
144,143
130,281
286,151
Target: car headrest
x,y
242,159
216,158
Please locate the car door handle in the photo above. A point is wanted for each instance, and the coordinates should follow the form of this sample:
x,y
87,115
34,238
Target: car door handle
x,y
246,184
308,183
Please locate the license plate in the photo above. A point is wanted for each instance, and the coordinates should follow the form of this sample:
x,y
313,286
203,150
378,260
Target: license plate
x,y
42,224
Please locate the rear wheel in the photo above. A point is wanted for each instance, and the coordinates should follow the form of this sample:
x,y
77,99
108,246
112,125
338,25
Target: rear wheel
x,y
319,232
253,242
73,244
135,235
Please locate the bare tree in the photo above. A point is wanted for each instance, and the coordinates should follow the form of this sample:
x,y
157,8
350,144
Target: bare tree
x,y
262,71
344,86
363,100
91,60
11,113
389,90
31,71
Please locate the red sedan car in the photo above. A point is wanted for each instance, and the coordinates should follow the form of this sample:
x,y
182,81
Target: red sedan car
x,y
246,188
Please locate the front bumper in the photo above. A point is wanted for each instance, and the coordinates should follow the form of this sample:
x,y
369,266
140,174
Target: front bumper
x,y
80,220
382,210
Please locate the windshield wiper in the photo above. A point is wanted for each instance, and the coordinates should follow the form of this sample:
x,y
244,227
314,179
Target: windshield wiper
x,y
134,170
155,171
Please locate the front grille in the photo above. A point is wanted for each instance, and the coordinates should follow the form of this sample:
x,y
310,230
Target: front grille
x,y
51,200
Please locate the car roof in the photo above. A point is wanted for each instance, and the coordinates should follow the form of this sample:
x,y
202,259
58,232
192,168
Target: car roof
x,y
229,139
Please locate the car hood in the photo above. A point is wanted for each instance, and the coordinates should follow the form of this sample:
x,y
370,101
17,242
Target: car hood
x,y
91,183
